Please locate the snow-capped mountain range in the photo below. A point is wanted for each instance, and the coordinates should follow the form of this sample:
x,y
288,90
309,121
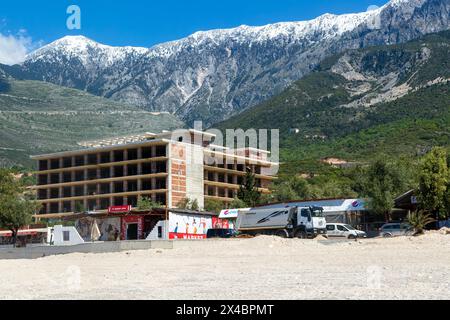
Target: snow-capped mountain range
x,y
213,75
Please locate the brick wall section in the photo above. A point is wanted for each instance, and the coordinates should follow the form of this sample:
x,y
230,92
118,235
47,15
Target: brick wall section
x,y
178,173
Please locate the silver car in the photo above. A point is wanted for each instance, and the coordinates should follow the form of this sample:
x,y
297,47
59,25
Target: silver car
x,y
396,229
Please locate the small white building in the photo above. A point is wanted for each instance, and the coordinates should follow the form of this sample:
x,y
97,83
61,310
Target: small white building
x,y
64,236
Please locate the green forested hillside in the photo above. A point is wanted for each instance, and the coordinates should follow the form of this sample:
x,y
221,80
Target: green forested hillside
x,y
408,126
390,99
37,117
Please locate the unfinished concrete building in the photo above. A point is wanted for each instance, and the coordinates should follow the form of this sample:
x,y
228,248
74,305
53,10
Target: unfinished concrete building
x,y
167,169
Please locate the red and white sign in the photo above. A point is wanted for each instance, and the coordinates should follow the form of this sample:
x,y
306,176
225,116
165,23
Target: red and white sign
x,y
119,209
185,236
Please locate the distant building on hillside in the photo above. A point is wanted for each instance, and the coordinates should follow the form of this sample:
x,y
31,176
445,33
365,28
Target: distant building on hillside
x,y
316,137
339,163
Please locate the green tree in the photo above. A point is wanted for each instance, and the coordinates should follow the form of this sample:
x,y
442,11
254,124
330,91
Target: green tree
x,y
419,220
15,214
194,205
16,209
146,204
237,204
212,205
265,199
331,188
383,183
8,184
447,193
79,207
288,188
184,204
248,191
447,202
433,181
189,204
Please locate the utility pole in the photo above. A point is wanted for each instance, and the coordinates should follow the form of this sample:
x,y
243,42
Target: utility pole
x,y
167,217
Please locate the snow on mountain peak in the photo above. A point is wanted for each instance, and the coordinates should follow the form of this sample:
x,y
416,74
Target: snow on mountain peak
x,y
85,49
398,2
324,27
405,3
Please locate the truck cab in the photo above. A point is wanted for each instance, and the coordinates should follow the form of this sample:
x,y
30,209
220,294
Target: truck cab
x,y
310,222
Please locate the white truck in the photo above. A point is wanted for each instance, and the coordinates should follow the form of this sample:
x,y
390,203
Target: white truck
x,y
289,222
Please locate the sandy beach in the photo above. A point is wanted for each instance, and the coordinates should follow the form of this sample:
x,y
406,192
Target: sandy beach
x,y
260,268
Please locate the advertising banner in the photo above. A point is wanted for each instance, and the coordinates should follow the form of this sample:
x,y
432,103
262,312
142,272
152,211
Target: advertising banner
x,y
221,223
109,229
346,205
84,228
184,226
229,214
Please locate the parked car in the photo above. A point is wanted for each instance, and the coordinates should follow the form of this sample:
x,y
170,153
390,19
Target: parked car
x,y
221,233
342,230
396,229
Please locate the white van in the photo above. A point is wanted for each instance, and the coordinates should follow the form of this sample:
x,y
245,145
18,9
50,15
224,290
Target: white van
x,y
342,230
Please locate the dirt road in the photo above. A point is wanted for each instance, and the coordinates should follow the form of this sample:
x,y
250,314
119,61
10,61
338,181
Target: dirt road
x,y
260,268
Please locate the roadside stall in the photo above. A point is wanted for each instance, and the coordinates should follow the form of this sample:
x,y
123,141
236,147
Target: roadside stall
x,y
119,223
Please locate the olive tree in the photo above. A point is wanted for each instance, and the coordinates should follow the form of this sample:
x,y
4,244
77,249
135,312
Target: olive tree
x,y
16,209
434,181
248,191
383,182
147,204
212,205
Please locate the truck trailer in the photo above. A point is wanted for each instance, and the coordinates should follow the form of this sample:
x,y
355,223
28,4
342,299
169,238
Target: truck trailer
x,y
289,222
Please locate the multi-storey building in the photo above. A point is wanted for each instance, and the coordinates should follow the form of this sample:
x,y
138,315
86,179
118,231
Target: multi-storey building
x,y
118,171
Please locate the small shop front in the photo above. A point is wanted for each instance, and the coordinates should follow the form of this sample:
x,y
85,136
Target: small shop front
x,y
136,225
120,223
132,227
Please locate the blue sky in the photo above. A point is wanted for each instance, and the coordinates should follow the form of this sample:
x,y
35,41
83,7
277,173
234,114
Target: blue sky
x,y
145,23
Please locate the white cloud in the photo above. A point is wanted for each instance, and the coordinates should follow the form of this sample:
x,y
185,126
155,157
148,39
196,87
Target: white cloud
x,y
13,49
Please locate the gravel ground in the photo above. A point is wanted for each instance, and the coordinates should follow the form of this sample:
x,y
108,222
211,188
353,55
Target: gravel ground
x,y
260,268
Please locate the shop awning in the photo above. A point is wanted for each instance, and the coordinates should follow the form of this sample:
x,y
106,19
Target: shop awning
x,y
22,233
